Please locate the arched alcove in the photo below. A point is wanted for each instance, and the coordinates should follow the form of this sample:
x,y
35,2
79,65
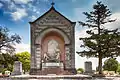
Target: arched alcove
x,y
56,38
46,31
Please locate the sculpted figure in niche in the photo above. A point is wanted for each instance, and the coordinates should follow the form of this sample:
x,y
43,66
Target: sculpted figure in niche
x,y
53,52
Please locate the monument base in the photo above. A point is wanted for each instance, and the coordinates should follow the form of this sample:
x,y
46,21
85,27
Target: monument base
x,y
52,68
51,77
16,73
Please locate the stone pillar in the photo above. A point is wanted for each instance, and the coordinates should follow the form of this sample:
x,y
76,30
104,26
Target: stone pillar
x,y
88,67
67,58
32,65
38,56
17,68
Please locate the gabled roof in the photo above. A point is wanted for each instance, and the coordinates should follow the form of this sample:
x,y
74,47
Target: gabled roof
x,y
52,8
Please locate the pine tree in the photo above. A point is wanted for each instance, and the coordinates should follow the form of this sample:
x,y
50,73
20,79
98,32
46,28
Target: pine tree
x,y
103,42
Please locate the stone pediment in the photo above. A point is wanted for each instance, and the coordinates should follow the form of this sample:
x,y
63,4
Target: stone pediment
x,y
52,17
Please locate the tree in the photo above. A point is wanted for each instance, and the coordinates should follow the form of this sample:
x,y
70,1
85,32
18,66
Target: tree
x,y
7,61
24,57
8,41
111,64
118,70
102,42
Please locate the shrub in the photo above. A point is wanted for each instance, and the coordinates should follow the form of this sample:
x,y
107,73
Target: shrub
x,y
3,71
80,70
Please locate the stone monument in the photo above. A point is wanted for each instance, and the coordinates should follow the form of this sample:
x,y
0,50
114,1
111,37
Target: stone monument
x,y
88,67
52,44
17,68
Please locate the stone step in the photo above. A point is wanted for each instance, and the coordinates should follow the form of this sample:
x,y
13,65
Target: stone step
x,y
51,77
57,71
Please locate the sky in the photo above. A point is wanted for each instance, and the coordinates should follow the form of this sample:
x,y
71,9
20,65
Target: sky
x,y
16,15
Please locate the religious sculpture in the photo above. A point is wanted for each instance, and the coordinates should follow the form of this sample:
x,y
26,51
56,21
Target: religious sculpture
x,y
53,53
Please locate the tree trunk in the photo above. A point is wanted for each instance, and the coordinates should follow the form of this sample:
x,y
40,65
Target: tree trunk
x,y
100,64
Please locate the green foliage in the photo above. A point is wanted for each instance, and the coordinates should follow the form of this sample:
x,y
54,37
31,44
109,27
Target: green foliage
x,y
110,64
10,67
1,59
6,61
118,70
3,71
80,70
8,41
24,57
102,42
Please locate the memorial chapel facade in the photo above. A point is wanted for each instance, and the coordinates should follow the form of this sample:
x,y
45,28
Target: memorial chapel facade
x,y
52,44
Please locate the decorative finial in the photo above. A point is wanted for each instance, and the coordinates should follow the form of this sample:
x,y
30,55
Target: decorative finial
x,y
52,3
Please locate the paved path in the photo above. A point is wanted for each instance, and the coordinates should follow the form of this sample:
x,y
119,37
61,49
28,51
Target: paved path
x,y
31,76
115,78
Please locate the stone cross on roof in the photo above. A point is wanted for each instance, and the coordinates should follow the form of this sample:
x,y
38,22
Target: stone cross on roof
x,y
52,3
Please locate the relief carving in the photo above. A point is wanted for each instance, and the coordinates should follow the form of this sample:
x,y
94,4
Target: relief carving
x,y
52,19
53,54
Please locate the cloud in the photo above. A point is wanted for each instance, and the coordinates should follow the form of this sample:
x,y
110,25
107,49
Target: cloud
x,y
80,34
22,47
18,9
114,5
5,1
22,1
1,5
12,6
8,4
116,24
19,14
33,18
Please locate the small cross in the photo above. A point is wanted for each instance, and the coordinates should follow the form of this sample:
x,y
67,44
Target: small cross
x,y
52,3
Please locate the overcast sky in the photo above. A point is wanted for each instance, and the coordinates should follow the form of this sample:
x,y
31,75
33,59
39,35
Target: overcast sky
x,y
15,14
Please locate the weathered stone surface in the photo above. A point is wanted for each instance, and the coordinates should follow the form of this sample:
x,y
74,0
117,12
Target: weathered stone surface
x,y
17,68
52,64
88,67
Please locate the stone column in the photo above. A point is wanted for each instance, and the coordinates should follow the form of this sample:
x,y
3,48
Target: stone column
x,y
17,68
32,64
73,46
67,58
38,56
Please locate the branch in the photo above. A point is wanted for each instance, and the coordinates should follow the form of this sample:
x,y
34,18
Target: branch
x,y
86,24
